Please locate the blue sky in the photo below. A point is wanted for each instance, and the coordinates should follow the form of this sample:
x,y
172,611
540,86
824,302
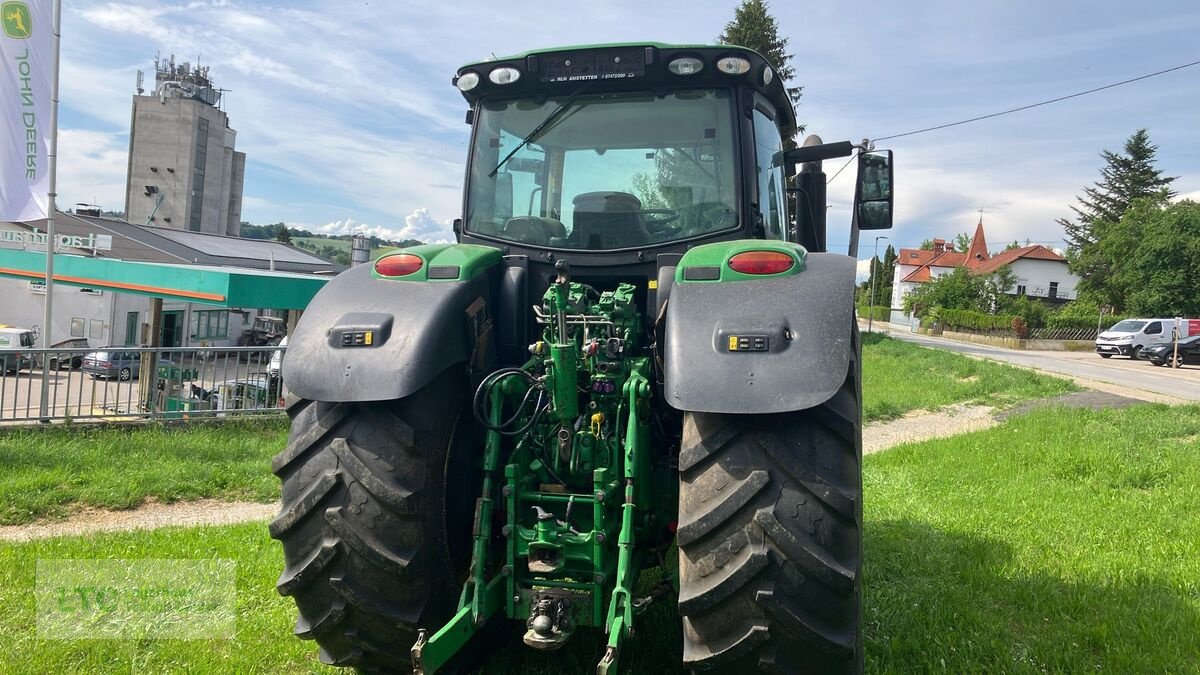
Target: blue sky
x,y
348,118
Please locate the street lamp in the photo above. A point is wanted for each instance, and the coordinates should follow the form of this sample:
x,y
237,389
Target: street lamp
x,y
871,309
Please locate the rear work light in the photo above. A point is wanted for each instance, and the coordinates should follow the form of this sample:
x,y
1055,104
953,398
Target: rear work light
x,y
504,75
398,265
685,65
761,262
733,65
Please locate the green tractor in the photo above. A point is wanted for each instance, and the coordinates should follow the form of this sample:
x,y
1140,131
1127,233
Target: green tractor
x,y
638,349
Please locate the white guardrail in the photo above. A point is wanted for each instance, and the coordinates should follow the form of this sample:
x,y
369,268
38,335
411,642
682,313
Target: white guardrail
x,y
137,383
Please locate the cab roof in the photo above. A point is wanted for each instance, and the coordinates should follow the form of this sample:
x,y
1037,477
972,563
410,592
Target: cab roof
x,y
622,67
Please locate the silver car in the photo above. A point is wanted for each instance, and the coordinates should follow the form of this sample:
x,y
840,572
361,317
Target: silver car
x,y
115,362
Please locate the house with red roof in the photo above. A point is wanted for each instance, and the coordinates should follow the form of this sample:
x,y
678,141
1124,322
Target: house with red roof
x,y
1040,272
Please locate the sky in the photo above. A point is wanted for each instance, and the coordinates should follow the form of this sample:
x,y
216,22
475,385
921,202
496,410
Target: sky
x,y
350,124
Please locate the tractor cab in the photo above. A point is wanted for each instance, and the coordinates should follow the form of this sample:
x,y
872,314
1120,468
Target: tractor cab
x,y
638,151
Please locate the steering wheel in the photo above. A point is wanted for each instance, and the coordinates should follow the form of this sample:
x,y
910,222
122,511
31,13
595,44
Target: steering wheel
x,y
656,225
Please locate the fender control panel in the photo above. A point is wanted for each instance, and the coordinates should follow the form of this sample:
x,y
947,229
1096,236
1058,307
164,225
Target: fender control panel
x,y
360,329
748,343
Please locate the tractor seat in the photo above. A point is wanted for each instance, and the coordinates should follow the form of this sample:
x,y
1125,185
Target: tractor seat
x,y
534,229
608,220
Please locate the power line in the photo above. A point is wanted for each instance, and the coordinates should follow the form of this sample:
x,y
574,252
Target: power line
x,y
839,171
1040,103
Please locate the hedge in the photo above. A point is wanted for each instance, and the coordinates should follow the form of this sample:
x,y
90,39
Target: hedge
x,y
876,313
965,319
1060,321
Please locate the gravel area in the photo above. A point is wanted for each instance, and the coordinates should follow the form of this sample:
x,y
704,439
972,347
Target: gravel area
x,y
147,516
922,425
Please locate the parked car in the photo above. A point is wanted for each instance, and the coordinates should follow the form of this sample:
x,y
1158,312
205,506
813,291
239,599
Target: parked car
x,y
14,345
72,360
1131,336
251,393
115,362
1161,355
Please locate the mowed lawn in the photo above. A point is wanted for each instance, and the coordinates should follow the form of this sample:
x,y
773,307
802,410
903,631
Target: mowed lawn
x,y
899,377
1059,541
52,472
49,472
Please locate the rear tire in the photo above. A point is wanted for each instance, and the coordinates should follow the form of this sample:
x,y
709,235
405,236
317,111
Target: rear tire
x,y
125,375
1106,356
364,522
770,538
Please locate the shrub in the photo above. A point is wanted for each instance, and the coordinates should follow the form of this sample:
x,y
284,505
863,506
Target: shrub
x,y
965,319
876,313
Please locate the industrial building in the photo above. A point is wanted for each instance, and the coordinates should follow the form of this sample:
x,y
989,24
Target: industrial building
x,y
212,287
184,173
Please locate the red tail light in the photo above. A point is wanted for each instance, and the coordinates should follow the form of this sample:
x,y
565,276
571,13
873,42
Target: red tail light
x,y
398,265
761,262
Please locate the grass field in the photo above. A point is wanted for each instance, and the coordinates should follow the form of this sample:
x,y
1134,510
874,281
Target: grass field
x,y
899,377
1060,541
339,244
48,472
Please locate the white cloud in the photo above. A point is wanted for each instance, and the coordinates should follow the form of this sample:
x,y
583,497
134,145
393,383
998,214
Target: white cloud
x,y
420,225
417,225
91,168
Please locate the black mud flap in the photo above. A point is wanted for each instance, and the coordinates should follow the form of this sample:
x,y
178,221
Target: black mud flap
x,y
368,339
761,346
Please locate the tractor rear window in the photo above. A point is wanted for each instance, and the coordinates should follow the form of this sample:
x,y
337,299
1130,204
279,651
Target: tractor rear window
x,y
606,172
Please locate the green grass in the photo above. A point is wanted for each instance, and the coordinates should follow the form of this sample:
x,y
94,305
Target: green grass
x,y
1060,541
47,473
899,377
264,642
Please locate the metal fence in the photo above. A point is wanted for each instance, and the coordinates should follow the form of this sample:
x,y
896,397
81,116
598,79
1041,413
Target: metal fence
x,y
137,383
1063,334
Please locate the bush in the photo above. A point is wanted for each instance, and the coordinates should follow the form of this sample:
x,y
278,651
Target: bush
x,y
1033,311
1063,320
965,319
876,313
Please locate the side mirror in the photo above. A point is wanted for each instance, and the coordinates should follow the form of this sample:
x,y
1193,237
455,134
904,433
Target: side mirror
x,y
873,193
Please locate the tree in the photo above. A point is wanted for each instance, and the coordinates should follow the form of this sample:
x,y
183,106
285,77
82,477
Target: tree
x,y
754,27
962,242
881,274
1013,246
1125,177
283,235
960,289
1155,248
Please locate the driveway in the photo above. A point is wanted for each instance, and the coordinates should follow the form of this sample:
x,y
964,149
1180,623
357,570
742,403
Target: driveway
x,y
1121,371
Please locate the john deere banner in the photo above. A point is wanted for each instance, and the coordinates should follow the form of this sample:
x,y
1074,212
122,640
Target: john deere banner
x,y
26,60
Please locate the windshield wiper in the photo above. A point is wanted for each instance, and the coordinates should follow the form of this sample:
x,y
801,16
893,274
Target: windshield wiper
x,y
554,114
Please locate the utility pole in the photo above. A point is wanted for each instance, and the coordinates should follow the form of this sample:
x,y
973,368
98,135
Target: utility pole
x,y
871,309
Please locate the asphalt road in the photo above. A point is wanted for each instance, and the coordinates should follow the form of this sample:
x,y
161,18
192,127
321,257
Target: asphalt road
x,y
1119,370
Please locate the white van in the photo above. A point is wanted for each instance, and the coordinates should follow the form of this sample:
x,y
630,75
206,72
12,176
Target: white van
x,y
14,345
1129,337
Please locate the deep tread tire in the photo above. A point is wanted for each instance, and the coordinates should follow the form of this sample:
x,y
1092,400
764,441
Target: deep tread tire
x,y
770,538
364,520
